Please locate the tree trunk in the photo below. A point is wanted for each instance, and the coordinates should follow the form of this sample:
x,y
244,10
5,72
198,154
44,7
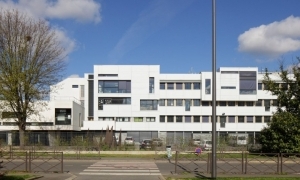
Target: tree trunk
x,y
22,138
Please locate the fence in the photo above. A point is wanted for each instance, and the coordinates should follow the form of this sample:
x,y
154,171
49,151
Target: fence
x,y
239,163
31,161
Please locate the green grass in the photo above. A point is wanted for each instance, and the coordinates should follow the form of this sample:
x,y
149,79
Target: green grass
x,y
16,177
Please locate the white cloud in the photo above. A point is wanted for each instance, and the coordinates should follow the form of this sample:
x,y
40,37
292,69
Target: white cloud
x,y
273,39
80,10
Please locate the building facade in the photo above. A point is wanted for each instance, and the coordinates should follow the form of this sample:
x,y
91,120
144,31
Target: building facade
x,y
139,101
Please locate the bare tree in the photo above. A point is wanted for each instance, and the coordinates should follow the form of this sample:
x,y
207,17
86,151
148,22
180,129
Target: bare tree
x,y
31,60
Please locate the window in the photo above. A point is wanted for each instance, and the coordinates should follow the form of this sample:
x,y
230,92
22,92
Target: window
x,y
123,119
178,119
267,119
241,119
162,86
222,103
81,90
197,85
197,119
207,86
258,119
258,102
231,119
114,86
205,119
259,86
170,85
170,119
205,103
248,82
275,102
222,121
187,85
150,119
161,102
267,105
170,102
162,119
249,103
112,100
188,119
151,84
196,102
148,104
63,116
249,119
178,85
74,86
179,102
231,103
187,105
241,103
138,119
105,119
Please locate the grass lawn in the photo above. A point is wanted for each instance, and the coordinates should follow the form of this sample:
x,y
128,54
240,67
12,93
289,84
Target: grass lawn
x,y
16,177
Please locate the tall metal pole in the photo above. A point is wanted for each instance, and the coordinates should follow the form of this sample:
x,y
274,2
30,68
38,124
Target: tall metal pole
x,y
214,144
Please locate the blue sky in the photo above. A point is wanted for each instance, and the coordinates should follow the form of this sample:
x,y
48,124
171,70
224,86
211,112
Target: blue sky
x,y
175,34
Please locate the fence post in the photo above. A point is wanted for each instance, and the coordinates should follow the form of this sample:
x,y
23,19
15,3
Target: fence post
x,y
26,161
208,162
62,162
242,162
176,159
246,162
29,162
10,151
278,154
281,163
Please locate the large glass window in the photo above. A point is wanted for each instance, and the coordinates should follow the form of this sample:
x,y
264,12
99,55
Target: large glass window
x,y
248,82
109,86
148,104
231,119
151,84
241,119
187,119
62,116
205,119
249,119
112,100
207,86
258,119
259,87
162,119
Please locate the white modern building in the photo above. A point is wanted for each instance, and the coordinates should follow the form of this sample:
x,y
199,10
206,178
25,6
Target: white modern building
x,y
139,101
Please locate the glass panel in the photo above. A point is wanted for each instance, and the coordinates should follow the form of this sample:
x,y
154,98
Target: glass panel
x,y
188,119
231,119
162,86
170,102
231,103
188,85
187,105
151,84
197,119
178,85
162,102
207,86
205,119
258,119
170,119
196,102
178,119
197,85
179,102
258,102
249,119
241,119
170,85
162,119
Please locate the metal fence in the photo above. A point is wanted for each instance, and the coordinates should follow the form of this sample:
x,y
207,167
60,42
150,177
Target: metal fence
x,y
238,163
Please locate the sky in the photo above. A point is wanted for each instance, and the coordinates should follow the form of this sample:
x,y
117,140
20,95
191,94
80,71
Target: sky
x,y
175,34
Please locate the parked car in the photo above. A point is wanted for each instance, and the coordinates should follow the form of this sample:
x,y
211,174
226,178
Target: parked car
x,y
206,145
129,141
157,142
146,144
196,142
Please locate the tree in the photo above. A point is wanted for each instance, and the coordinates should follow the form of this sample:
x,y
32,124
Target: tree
x,y
282,134
31,60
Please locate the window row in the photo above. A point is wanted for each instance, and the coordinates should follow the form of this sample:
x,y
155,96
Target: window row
x,y
127,119
110,86
112,100
208,119
180,85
